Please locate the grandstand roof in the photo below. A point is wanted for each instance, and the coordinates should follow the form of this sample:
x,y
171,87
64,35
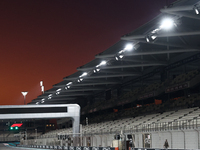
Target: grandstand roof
x,y
154,49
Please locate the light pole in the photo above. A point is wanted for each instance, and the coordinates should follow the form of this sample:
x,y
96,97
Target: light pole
x,y
42,87
24,94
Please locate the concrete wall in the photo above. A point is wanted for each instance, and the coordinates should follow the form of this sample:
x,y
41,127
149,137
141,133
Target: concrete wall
x,y
188,139
179,139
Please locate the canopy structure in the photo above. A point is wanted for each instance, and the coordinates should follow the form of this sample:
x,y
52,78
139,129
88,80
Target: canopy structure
x,y
168,41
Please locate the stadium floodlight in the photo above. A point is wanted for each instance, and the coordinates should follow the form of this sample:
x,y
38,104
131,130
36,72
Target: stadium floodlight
x,y
69,83
196,9
80,80
41,83
128,47
151,38
121,56
167,23
84,74
58,90
96,70
117,58
50,95
24,94
103,63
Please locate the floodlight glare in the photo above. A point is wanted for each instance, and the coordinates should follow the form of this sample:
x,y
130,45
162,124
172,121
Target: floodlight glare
x,y
167,23
103,63
41,83
196,10
84,74
121,56
58,90
69,83
151,38
129,47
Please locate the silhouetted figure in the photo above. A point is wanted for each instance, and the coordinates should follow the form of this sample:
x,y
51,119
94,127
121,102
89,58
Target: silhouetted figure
x,y
166,145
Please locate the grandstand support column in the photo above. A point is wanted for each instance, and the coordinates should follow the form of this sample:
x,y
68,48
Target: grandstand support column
x,y
171,139
198,137
183,138
76,130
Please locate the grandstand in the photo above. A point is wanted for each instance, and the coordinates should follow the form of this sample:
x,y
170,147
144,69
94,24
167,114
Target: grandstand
x,y
140,94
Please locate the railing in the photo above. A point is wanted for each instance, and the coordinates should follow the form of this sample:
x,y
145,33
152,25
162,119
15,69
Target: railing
x,y
150,127
4,139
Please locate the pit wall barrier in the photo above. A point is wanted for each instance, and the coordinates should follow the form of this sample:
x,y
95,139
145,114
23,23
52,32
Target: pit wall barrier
x,y
68,147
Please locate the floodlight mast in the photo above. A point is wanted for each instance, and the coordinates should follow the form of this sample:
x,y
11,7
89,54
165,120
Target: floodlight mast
x,y
42,87
24,94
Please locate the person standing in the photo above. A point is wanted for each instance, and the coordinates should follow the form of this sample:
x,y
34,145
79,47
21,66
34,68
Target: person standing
x,y
166,145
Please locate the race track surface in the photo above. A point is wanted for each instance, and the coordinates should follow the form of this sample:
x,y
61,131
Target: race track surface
x,y
3,147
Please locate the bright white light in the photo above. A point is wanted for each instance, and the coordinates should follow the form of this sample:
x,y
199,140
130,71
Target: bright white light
x,y
50,95
57,93
81,79
103,63
42,102
147,39
153,37
58,89
84,74
42,89
121,51
129,47
41,83
116,58
69,83
167,23
94,71
37,103
98,70
121,56
196,11
24,93
43,99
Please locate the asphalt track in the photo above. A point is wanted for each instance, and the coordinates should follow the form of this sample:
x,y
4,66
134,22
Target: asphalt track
x,y
7,147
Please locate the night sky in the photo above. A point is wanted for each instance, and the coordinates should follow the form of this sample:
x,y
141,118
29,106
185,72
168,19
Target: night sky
x,y
48,39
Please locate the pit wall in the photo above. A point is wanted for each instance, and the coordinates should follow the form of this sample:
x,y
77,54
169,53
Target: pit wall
x,y
179,139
